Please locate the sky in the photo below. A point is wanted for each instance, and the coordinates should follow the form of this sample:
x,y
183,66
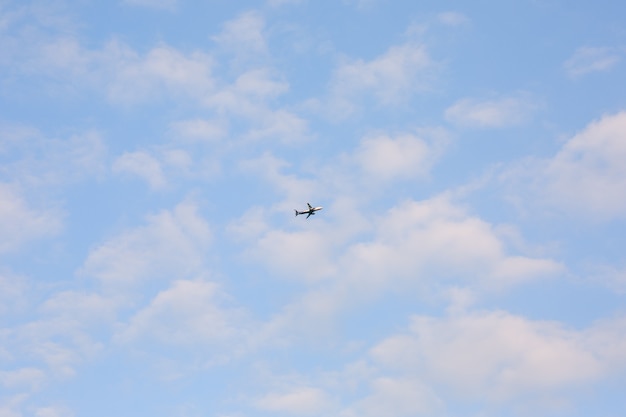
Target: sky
x,y
468,261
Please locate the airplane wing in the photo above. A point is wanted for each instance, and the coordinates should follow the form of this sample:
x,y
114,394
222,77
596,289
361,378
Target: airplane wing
x,y
309,215
310,206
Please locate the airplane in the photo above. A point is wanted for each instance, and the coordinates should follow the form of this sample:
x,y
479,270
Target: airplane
x,y
310,211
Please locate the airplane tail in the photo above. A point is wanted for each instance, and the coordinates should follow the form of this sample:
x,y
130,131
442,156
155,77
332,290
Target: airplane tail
x,y
297,212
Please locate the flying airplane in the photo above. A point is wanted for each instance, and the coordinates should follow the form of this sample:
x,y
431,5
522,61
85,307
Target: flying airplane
x,y
310,211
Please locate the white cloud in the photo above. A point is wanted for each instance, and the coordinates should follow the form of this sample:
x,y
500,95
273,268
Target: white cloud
x,y
269,168
36,160
48,345
587,60
10,405
297,401
244,36
199,130
452,18
288,127
116,69
588,172
186,314
54,16
250,225
459,299
496,112
299,256
611,276
586,177
607,339
13,293
51,346
90,307
421,248
391,78
162,166
259,83
435,238
145,287
20,223
143,165
178,159
171,246
498,356
55,344
487,359
405,156
31,378
249,97
351,179
398,397
13,136
355,255
54,411
127,76
131,78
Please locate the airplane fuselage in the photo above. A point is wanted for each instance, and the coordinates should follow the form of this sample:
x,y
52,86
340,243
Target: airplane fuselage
x,y
311,211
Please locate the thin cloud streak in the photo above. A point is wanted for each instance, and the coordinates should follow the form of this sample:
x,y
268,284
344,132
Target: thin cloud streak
x,y
498,112
587,60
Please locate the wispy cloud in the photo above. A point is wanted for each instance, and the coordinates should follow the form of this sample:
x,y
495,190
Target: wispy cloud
x,y
187,314
588,173
400,396
199,130
384,158
21,223
611,276
33,159
452,18
143,165
161,167
391,78
14,294
171,245
296,401
31,378
244,37
585,177
496,112
117,70
131,77
587,60
154,4
251,98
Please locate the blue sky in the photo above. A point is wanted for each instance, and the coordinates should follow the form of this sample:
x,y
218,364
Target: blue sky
x,y
468,261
